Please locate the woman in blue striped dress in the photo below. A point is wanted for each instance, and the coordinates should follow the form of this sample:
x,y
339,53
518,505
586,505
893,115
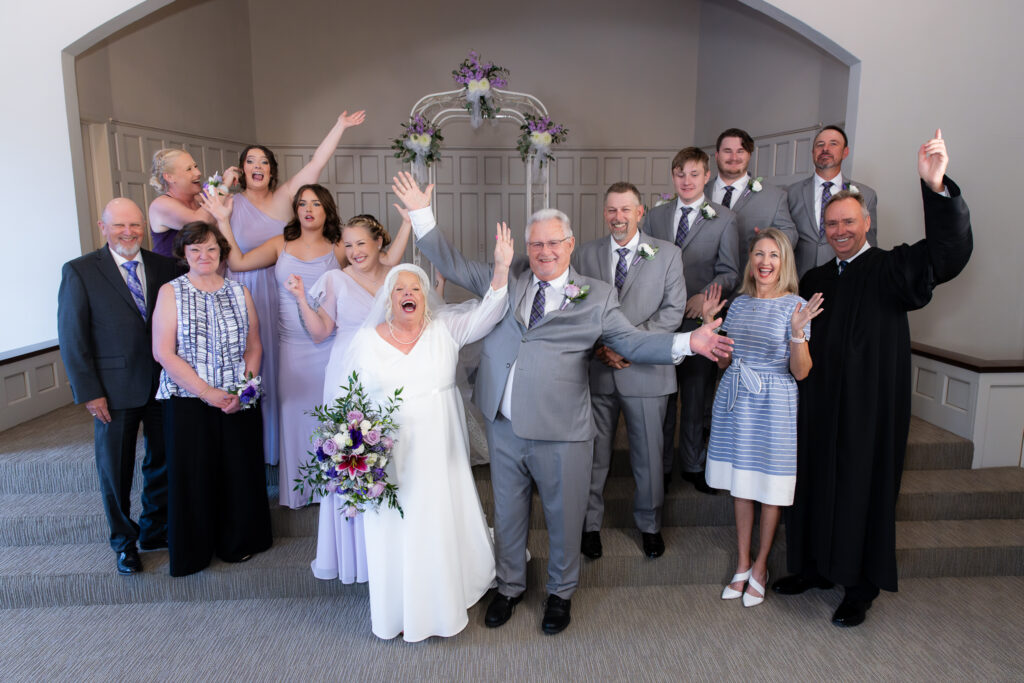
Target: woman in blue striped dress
x,y
752,450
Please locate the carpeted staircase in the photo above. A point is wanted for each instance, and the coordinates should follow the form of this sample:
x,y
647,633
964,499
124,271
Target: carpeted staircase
x,y
953,522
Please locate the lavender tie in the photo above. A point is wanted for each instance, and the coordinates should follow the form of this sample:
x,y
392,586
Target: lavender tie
x,y
727,199
826,194
537,311
135,286
683,228
620,268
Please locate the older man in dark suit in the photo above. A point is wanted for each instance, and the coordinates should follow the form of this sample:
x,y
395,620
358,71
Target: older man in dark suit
x,y
104,307
648,275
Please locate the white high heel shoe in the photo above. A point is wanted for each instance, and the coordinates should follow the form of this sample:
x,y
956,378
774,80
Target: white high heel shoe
x,y
730,593
754,600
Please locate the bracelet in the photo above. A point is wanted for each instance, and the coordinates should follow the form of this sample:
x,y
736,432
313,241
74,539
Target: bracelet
x,y
203,393
798,340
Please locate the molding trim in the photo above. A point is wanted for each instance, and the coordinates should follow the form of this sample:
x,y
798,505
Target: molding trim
x,y
32,385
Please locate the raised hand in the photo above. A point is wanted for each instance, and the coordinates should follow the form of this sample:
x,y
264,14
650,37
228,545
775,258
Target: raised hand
x,y
219,206
932,161
712,302
403,212
705,341
232,174
409,192
295,287
348,120
504,246
805,314
694,305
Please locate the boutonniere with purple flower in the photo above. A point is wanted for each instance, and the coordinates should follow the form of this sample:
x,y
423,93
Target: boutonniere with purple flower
x,y
851,188
707,211
755,184
478,79
249,391
645,252
573,293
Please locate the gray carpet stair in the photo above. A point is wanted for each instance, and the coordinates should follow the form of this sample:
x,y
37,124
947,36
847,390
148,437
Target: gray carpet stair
x,y
952,522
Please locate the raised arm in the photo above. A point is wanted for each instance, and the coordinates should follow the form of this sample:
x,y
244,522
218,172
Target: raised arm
x,y
167,213
799,326
262,256
396,250
310,173
947,221
316,321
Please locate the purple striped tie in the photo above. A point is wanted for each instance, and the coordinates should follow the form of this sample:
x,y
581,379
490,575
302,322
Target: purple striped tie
x,y
537,311
620,268
826,194
683,228
135,286
727,199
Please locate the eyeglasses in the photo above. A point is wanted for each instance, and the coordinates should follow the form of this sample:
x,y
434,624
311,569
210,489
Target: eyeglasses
x,y
550,244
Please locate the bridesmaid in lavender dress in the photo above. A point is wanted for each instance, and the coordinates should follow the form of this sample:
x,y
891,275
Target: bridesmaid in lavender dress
x,y
309,246
341,299
261,210
176,176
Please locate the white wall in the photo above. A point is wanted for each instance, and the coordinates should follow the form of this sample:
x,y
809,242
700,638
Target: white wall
x,y
924,64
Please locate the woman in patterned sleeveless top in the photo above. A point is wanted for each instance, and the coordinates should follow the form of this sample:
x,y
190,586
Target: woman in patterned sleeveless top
x,y
206,337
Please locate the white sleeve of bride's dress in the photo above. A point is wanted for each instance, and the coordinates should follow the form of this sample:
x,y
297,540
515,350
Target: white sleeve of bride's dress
x,y
324,293
472,320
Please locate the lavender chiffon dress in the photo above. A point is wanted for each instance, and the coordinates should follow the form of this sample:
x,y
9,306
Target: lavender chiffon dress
x,y
300,376
252,228
340,544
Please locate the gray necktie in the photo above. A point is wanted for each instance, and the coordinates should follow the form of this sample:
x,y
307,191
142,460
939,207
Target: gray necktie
x,y
537,311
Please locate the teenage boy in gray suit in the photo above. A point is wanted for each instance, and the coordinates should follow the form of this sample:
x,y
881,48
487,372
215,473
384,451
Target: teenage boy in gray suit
x,y
755,203
104,307
829,150
648,276
709,238
533,390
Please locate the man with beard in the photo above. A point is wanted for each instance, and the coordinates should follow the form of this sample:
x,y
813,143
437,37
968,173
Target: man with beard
x,y
104,306
808,197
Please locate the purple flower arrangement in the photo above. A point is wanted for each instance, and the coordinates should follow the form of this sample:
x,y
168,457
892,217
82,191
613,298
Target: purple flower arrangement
x,y
249,391
478,80
352,446
419,145
537,135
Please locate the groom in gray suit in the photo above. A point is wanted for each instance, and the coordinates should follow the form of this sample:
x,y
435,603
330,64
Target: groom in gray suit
x,y
648,275
755,203
533,389
829,150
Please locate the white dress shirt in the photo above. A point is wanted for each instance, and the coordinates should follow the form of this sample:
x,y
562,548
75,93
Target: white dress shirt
x,y
690,218
837,185
140,270
739,187
631,245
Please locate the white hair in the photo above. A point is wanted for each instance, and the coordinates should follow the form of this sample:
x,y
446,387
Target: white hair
x,y
546,215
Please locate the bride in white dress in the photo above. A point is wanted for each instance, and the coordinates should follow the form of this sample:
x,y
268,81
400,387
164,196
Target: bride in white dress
x,y
428,568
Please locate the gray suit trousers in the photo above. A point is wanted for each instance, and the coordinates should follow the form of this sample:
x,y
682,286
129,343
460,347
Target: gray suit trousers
x,y
561,470
644,419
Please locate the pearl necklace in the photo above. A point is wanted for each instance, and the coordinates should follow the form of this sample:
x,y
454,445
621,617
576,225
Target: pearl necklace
x,y
391,329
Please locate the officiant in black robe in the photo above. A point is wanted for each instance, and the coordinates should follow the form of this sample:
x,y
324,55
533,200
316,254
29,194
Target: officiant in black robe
x,y
854,411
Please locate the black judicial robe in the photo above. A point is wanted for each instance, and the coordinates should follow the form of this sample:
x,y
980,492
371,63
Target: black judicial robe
x,y
854,411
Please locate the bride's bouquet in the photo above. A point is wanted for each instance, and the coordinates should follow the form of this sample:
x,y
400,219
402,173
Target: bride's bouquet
x,y
352,447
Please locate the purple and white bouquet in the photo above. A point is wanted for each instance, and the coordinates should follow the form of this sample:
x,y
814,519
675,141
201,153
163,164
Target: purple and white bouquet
x,y
419,145
215,184
478,80
249,391
537,136
352,447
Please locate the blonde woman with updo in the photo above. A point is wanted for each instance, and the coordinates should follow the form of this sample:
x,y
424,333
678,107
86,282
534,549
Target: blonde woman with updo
x,y
176,176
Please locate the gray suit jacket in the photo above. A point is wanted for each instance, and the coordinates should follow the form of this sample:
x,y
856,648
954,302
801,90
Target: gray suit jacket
x,y
710,250
768,208
653,297
551,391
813,249
106,346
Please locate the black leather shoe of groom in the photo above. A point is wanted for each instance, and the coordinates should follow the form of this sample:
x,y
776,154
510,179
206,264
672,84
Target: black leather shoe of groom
x,y
795,584
128,561
654,544
500,610
556,615
851,612
699,482
590,545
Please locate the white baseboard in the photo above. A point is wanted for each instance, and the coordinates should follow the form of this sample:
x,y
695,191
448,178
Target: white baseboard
x,y
32,386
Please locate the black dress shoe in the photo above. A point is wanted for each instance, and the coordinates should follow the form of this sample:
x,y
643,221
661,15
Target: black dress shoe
x,y
556,615
667,479
699,482
500,609
654,544
128,561
590,545
851,612
795,584
153,543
